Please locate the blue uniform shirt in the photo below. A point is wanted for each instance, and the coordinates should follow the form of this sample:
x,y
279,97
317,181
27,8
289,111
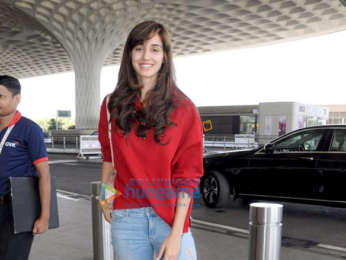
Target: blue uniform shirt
x,y
23,149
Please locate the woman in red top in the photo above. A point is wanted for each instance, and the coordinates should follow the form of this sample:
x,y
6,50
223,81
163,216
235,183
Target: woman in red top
x,y
157,151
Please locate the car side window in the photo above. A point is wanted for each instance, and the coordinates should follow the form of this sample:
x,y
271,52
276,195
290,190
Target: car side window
x,y
307,141
338,141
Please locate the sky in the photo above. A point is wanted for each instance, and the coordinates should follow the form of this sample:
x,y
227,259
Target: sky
x,y
310,71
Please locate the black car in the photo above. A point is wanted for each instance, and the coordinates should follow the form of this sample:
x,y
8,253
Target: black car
x,y
307,165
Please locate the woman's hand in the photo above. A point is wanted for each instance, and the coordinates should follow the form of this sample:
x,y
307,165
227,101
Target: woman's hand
x,y
107,176
107,211
170,247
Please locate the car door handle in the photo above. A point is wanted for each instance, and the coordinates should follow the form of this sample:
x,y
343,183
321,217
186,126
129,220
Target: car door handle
x,y
307,158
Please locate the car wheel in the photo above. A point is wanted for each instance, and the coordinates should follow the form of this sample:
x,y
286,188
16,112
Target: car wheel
x,y
215,190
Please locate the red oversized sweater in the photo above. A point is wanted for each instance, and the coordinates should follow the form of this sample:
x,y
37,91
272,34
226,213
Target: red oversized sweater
x,y
150,174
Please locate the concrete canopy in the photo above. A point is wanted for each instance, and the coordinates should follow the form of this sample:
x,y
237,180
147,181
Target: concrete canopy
x,y
40,37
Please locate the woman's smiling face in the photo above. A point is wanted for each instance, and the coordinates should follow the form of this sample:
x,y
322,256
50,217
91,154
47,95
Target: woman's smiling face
x,y
147,58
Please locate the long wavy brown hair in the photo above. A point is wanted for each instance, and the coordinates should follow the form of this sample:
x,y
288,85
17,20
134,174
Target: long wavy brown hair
x,y
159,101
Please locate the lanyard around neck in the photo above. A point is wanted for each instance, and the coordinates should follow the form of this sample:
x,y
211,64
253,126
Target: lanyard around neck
x,y
8,131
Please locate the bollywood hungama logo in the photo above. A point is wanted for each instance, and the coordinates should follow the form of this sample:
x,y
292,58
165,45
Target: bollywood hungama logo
x,y
108,194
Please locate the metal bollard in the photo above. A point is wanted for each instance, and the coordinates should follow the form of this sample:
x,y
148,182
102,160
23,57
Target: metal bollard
x,y
102,245
265,231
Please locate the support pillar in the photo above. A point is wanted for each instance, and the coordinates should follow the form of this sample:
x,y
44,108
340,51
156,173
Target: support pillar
x,y
87,90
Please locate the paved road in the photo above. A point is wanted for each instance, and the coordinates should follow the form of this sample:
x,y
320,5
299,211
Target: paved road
x,y
305,227
73,240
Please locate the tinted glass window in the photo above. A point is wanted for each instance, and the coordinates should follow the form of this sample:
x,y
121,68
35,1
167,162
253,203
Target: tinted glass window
x,y
306,141
338,141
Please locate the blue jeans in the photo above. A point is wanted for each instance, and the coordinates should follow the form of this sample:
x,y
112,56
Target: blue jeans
x,y
138,233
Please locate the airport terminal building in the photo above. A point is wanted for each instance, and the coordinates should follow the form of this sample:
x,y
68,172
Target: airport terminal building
x,y
266,120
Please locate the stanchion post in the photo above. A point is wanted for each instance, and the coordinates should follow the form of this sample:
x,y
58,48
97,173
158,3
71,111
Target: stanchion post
x,y
101,228
265,224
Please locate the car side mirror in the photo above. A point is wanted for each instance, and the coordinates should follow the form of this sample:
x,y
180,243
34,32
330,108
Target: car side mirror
x,y
269,148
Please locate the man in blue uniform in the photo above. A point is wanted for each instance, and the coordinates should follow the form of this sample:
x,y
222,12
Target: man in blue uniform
x,y
22,153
